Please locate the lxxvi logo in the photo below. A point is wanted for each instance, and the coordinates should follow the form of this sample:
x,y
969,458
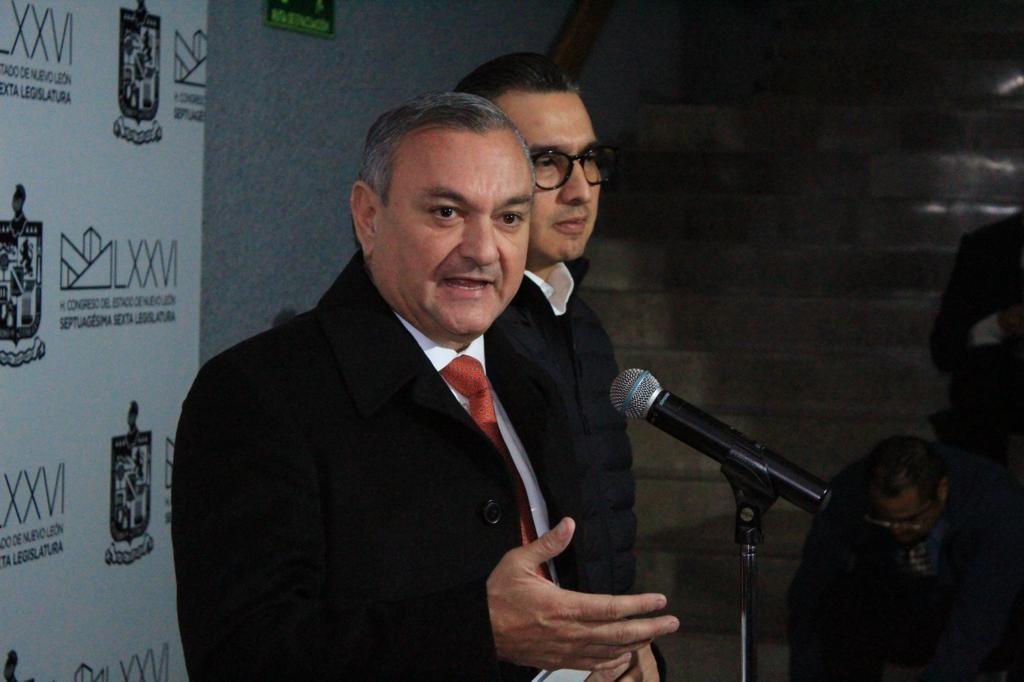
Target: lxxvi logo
x,y
30,31
31,495
92,263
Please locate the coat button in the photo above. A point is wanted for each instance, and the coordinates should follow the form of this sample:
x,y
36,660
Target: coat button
x,y
491,512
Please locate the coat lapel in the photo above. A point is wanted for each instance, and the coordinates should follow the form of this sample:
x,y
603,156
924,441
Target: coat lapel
x,y
538,415
375,354
379,360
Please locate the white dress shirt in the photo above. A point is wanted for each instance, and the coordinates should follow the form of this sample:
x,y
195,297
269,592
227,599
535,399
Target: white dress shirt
x,y
558,289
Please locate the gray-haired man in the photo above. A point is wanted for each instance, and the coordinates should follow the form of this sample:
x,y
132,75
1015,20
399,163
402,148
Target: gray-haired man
x,y
345,506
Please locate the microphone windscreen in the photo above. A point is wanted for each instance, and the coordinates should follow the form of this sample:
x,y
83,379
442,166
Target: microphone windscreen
x,y
633,391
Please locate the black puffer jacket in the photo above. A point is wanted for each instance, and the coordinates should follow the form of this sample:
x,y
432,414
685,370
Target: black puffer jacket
x,y
576,351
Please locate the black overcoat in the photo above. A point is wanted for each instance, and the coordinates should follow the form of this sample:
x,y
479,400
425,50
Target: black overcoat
x,y
328,501
574,348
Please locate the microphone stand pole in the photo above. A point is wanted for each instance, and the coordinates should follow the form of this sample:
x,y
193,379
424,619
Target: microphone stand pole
x,y
754,497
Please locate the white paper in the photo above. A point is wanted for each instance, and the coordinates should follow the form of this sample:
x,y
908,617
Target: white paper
x,y
563,675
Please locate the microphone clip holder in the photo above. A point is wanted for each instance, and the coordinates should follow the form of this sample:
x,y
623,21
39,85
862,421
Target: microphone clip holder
x,y
754,497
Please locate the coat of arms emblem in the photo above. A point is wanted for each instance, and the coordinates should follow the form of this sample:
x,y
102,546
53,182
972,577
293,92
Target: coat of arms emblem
x,y
21,282
131,476
138,77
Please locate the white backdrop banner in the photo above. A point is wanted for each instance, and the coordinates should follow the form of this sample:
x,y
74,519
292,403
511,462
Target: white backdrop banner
x,y
101,158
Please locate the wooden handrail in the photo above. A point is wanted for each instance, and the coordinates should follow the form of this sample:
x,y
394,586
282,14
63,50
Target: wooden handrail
x,y
576,39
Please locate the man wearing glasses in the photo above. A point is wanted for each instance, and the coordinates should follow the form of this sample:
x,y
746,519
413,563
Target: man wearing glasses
x,y
918,560
547,320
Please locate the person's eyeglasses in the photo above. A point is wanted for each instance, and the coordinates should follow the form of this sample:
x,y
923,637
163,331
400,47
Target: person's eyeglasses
x,y
553,168
914,522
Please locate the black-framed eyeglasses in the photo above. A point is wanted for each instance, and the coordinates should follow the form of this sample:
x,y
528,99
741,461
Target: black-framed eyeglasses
x,y
553,168
915,522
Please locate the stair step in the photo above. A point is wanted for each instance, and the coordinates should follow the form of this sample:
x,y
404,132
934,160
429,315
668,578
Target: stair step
x,y
785,528
886,383
683,515
827,174
704,591
964,176
819,411
666,505
900,78
821,443
785,126
789,220
922,17
708,267
832,174
698,568
716,657
686,321
844,40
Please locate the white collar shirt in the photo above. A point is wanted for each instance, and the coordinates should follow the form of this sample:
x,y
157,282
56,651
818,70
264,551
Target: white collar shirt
x,y
557,288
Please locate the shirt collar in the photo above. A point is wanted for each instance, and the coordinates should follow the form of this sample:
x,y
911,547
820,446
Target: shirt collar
x,y
440,356
557,288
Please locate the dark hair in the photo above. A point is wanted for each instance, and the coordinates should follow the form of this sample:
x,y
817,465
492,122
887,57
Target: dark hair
x,y
526,71
455,111
901,462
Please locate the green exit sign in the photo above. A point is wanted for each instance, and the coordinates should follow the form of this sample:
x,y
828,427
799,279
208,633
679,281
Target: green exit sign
x,y
315,17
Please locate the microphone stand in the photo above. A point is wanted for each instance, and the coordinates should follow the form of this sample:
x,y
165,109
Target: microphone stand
x,y
754,496
757,476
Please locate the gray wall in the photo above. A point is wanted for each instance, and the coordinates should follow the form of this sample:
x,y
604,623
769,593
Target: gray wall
x,y
639,57
286,114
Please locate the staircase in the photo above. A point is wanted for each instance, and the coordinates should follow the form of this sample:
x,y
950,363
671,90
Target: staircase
x,y
778,263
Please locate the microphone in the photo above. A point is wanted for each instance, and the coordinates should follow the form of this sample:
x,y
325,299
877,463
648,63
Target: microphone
x,y
637,394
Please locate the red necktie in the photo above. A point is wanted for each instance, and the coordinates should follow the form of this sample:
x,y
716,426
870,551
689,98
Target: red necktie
x,y
466,375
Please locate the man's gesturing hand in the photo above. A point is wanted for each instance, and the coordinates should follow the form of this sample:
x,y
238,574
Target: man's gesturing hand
x,y
538,624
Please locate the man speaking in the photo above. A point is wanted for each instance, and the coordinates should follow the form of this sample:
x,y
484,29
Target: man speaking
x,y
366,491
